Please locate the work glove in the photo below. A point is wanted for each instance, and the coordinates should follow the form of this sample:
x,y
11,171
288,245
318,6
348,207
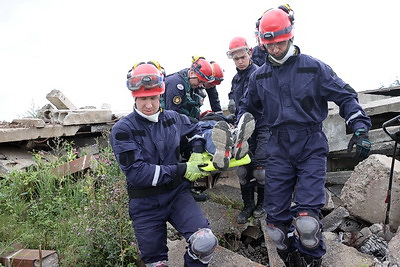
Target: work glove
x,y
231,106
363,145
193,172
196,157
259,174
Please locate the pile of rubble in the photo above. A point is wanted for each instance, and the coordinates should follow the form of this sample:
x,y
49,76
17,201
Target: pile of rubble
x,y
354,228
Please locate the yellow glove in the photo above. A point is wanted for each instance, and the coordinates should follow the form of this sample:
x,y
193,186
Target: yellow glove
x,y
193,172
196,157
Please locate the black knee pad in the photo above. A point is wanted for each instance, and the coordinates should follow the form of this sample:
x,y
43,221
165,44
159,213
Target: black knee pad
x,y
308,227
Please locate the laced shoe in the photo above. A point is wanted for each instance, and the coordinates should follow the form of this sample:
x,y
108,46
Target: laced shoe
x,y
223,141
245,129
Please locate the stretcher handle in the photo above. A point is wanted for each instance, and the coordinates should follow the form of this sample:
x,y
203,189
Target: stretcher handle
x,y
395,136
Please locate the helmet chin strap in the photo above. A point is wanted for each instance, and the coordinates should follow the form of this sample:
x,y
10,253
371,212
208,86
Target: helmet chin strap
x,y
290,51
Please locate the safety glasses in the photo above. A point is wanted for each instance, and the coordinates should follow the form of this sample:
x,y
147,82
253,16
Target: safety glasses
x,y
279,45
239,52
148,81
217,81
196,67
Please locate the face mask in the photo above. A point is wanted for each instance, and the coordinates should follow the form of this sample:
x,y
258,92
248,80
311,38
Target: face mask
x,y
289,52
152,118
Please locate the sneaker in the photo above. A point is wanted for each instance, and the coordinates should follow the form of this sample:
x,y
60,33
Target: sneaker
x,y
245,129
222,138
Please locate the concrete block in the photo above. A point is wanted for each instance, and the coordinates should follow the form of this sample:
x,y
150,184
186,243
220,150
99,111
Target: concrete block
x,y
21,133
59,100
82,116
334,219
30,122
365,192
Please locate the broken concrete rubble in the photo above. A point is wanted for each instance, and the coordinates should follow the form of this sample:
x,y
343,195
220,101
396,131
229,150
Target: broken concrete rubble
x,y
365,191
353,218
59,100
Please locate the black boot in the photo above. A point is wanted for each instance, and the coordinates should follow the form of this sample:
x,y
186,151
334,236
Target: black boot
x,y
291,259
198,196
249,206
309,261
259,211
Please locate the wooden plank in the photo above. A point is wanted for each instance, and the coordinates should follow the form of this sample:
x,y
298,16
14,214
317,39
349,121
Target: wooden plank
x,y
31,258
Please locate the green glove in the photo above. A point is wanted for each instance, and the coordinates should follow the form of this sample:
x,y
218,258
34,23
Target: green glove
x,y
193,172
196,157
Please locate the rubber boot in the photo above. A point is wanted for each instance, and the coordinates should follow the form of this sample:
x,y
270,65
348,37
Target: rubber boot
x,y
309,261
249,206
259,211
290,259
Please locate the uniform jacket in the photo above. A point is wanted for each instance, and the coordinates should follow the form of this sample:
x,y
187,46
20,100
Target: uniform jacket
x,y
180,97
148,152
240,81
298,92
258,56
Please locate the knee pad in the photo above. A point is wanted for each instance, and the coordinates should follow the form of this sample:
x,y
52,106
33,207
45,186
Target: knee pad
x,y
259,175
241,172
202,244
308,228
280,234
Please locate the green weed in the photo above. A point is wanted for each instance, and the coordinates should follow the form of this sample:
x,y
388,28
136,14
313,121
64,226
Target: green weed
x,y
84,217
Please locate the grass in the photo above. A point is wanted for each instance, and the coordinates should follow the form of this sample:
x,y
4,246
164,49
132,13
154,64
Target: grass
x,y
83,217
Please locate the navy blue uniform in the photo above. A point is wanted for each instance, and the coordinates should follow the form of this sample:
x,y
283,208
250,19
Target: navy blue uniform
x,y
258,56
214,99
148,154
238,91
292,100
179,96
239,83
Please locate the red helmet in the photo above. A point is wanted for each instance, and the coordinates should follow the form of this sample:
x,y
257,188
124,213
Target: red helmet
x,y
218,73
203,70
276,26
146,80
236,44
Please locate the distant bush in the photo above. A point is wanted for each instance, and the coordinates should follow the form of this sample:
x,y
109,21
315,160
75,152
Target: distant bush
x,y
83,217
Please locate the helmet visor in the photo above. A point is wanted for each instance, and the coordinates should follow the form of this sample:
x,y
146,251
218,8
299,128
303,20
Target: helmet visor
x,y
147,80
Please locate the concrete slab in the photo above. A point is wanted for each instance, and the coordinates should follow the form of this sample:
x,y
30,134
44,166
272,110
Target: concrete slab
x,y
81,116
22,134
59,100
30,122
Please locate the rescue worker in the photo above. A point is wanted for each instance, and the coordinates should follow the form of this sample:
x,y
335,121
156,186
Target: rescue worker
x,y
146,146
251,176
185,90
258,54
211,87
290,93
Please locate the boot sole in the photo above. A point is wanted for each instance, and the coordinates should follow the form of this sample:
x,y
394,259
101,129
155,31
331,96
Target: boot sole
x,y
222,138
245,127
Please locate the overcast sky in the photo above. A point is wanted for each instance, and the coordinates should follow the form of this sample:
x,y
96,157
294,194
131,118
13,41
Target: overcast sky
x,y
85,47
